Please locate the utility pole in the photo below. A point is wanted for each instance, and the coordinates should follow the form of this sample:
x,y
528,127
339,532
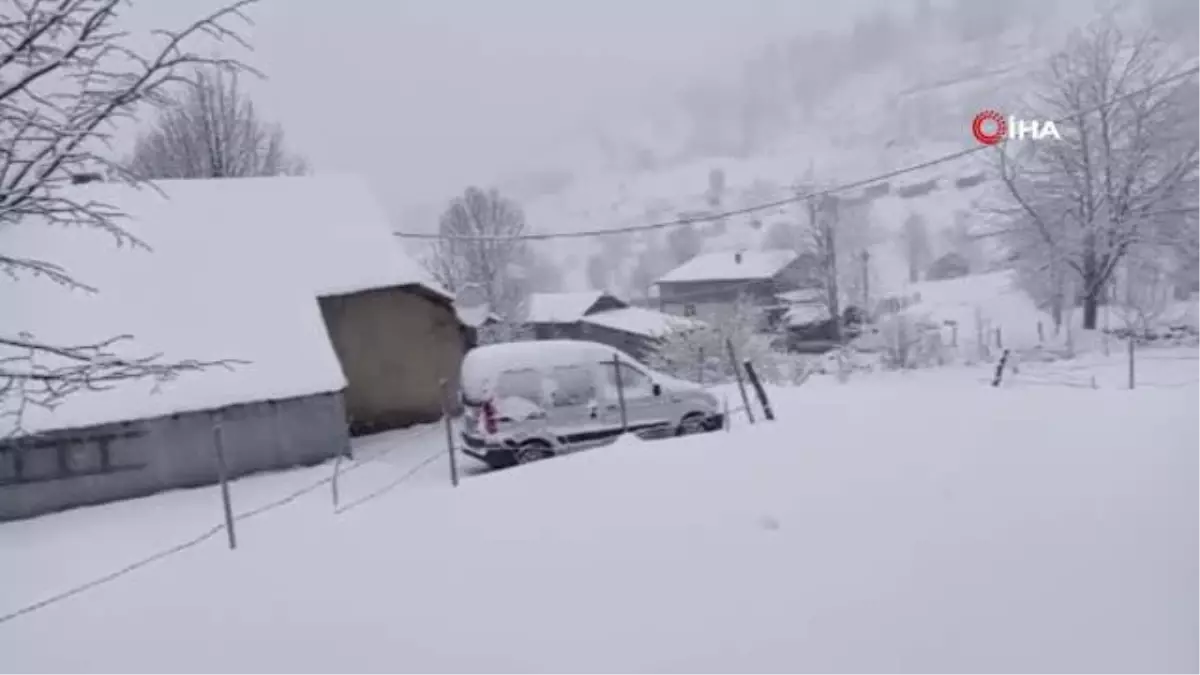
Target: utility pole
x,y
828,235
866,272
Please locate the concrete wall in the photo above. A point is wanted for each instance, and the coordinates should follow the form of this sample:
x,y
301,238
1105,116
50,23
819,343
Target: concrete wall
x,y
88,466
395,346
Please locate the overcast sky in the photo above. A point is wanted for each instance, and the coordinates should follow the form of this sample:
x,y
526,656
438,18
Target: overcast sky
x,y
426,96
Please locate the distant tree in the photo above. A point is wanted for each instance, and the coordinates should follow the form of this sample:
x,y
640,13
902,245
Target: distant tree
x,y
212,130
716,188
918,249
598,272
480,247
783,236
949,266
684,243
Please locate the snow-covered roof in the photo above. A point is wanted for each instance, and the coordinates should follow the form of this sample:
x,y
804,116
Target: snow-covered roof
x,y
730,266
560,307
234,271
639,321
475,316
801,296
802,315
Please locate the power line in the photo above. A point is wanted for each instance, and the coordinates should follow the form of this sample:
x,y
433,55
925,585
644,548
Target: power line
x,y
765,206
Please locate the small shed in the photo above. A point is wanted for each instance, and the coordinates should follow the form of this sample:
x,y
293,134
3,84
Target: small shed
x,y
599,317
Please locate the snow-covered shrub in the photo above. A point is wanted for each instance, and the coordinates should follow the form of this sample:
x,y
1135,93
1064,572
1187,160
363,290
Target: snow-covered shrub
x,y
699,352
906,341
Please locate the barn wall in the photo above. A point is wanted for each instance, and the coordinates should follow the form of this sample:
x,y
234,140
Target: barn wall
x,y
395,346
134,459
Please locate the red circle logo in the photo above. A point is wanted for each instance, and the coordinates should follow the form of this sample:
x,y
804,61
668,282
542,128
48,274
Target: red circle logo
x,y
989,127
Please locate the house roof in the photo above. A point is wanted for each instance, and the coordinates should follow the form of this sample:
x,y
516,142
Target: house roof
x,y
730,266
639,321
561,307
233,270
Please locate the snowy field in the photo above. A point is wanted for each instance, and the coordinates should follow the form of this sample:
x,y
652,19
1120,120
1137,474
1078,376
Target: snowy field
x,y
919,522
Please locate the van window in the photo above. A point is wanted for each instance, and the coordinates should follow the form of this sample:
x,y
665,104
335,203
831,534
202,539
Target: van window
x,y
572,385
526,384
635,383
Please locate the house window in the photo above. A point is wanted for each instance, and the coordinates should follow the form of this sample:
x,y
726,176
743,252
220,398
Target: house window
x,y
689,310
572,386
634,382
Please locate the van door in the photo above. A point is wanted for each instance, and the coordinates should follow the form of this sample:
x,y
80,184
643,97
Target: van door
x,y
644,410
574,406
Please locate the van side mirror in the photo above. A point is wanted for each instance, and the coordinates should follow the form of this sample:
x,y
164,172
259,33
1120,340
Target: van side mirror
x,y
656,389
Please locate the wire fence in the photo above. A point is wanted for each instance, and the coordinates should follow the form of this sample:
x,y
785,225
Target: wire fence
x,y
218,529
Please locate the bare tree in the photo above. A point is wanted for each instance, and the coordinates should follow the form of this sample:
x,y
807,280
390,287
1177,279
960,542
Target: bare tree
x,y
480,247
1124,174
213,130
68,76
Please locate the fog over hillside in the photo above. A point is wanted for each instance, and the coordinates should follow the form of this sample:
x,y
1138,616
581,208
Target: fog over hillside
x,y
817,106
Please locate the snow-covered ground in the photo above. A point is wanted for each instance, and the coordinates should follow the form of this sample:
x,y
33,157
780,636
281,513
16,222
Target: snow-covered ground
x,y
901,522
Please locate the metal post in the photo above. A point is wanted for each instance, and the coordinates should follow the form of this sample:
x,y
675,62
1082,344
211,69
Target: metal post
x,y
1132,378
223,476
737,373
760,392
700,366
620,393
445,386
337,467
866,280
725,405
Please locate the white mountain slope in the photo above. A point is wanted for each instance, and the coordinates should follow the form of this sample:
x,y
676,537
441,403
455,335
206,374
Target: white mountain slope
x,y
913,106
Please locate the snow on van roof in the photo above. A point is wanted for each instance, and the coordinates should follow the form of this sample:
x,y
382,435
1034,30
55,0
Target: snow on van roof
x,y
234,271
730,266
484,364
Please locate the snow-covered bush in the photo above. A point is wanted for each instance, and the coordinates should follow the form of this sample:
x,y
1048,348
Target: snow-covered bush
x,y
699,351
907,341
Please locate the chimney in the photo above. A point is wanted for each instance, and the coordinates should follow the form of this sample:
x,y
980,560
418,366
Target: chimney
x,y
82,178
737,257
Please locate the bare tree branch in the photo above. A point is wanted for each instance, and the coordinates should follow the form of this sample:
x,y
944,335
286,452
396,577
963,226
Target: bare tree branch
x,y
67,79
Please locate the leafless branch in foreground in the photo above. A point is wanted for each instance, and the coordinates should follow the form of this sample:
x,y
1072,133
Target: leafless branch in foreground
x,y
68,77
35,374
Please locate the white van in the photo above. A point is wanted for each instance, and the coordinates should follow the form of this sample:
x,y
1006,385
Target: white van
x,y
527,401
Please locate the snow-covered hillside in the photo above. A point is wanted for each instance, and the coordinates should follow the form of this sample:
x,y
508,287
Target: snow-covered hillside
x,y
913,103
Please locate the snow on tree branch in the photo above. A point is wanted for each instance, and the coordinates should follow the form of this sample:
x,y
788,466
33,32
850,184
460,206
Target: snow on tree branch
x,y
68,77
1124,175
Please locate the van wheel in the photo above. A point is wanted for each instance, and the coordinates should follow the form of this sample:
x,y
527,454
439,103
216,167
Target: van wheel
x,y
533,451
693,423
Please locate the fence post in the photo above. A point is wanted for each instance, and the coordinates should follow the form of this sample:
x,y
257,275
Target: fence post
x,y
999,338
1041,333
760,392
445,388
737,373
1132,378
1000,369
337,467
700,366
620,393
725,404
223,476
